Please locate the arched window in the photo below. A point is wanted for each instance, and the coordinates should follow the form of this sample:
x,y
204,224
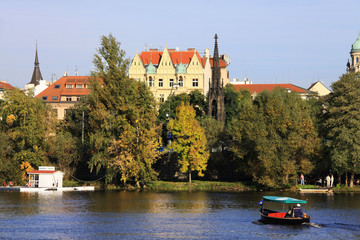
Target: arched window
x,y
181,82
151,82
214,109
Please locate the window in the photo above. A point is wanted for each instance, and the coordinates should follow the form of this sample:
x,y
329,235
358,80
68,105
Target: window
x,y
78,99
151,82
68,99
195,82
162,98
87,86
44,98
57,86
79,86
161,84
171,82
69,86
54,98
181,82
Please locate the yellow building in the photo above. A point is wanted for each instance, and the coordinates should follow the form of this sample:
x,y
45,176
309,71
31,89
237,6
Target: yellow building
x,y
354,64
173,71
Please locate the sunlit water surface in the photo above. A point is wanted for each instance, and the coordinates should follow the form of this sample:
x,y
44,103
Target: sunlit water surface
x,y
185,215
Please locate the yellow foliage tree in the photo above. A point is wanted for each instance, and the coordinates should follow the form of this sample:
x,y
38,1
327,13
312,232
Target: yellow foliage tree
x,y
189,140
25,168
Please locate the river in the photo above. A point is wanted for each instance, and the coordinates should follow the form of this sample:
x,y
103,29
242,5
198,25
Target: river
x,y
174,215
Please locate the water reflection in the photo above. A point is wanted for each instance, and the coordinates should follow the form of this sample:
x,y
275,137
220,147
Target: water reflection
x,y
150,215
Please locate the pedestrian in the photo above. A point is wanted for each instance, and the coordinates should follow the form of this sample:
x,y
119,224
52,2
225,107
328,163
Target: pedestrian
x,y
327,181
332,180
302,179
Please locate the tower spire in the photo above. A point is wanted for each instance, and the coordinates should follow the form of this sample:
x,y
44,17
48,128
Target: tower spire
x,y
36,77
216,69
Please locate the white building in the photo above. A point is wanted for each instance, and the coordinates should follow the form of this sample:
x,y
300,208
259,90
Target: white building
x,y
45,177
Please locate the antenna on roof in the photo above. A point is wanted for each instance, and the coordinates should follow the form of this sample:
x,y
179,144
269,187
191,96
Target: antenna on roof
x,y
76,71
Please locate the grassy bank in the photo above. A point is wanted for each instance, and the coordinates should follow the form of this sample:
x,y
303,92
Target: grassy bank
x,y
198,186
337,189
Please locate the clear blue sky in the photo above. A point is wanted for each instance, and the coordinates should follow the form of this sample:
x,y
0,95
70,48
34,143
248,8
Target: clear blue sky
x,y
283,41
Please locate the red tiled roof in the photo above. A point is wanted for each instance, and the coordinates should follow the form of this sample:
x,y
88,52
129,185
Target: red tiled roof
x,y
41,171
6,85
257,88
176,56
58,88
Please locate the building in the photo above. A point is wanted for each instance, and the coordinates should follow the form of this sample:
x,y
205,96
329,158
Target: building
x,y
64,93
4,86
354,64
173,71
37,83
319,88
257,88
45,177
216,96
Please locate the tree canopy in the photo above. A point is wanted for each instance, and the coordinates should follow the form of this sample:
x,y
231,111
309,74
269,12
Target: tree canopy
x,y
189,140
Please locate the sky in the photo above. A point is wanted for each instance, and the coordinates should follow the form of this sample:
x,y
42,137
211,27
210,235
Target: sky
x,y
279,41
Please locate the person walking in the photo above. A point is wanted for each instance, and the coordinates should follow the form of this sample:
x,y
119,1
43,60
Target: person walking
x,y
328,181
332,180
302,182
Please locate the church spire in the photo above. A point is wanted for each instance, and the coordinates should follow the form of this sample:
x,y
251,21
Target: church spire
x,y
36,77
216,69
216,95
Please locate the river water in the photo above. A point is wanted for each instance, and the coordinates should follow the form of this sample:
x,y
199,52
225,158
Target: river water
x,y
175,215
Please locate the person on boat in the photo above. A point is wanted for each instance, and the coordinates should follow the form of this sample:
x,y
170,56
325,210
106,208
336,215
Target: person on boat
x,y
298,211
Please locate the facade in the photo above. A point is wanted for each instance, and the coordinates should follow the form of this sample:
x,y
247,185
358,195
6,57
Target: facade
x,y
173,71
45,177
257,88
4,86
216,96
354,64
319,88
64,93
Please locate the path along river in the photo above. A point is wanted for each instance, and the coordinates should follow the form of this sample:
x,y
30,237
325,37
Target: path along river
x,y
175,215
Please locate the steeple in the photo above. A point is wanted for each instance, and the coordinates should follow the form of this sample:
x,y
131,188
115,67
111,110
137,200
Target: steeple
x,y
36,77
216,96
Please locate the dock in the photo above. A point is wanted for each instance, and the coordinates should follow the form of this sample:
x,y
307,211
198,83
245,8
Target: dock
x,y
316,190
43,189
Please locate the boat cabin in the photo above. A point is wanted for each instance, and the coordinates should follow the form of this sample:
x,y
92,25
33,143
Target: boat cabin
x,y
45,177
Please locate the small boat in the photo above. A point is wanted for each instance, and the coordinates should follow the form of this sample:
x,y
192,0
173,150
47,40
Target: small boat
x,y
294,216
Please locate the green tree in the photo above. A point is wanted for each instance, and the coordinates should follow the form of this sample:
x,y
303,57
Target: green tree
x,y
275,137
122,116
343,124
189,141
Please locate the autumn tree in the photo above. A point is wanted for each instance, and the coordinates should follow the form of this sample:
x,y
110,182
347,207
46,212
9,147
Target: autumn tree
x,y
28,124
343,124
189,141
122,114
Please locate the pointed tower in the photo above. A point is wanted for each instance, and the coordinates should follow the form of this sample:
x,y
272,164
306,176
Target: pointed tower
x,y
216,94
36,77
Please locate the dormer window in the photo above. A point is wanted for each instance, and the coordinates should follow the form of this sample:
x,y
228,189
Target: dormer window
x,y
55,98
44,98
69,86
57,86
79,86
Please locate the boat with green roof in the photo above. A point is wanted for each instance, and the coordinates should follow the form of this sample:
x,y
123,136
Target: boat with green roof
x,y
294,216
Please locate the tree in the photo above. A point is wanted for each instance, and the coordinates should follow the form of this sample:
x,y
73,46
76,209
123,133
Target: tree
x,y
122,114
343,124
275,137
189,141
28,124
